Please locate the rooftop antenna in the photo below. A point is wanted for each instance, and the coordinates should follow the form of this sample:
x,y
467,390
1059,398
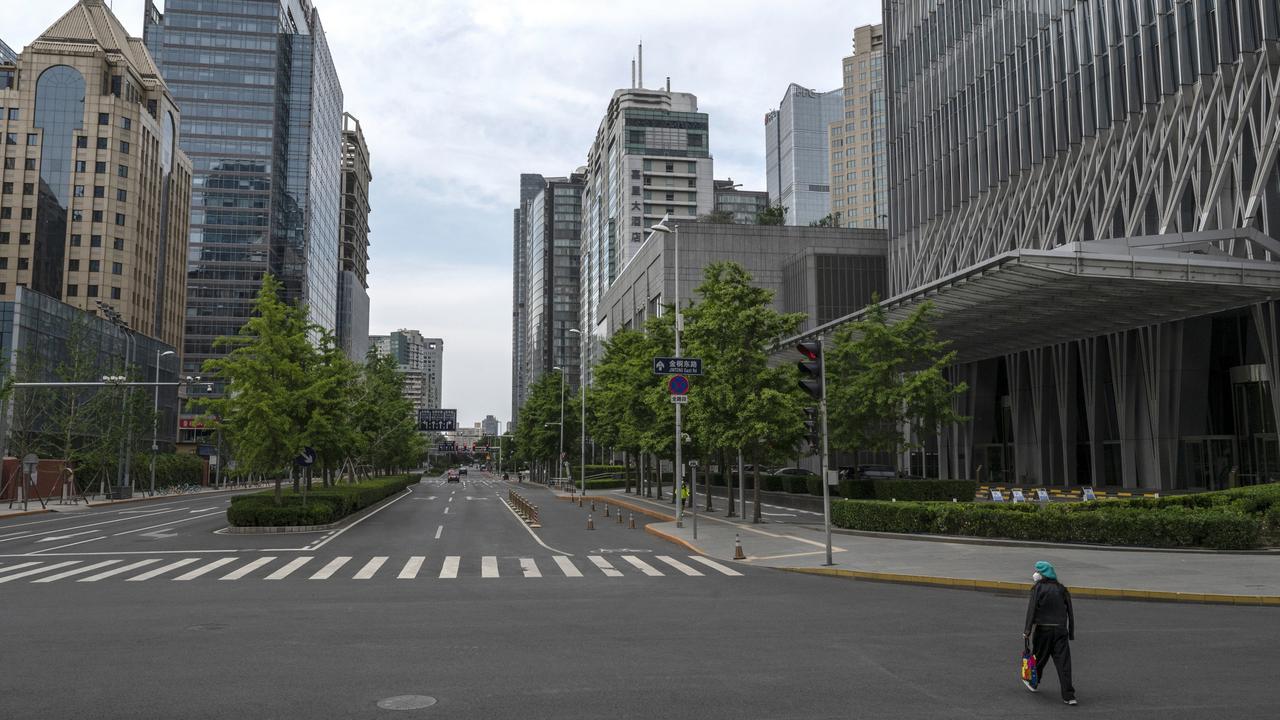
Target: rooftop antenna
x,y
640,64
668,83
633,72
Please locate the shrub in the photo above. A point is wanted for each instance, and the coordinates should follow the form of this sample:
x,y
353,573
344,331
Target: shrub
x,y
773,483
798,484
903,489
604,483
614,470
323,504
814,485
857,489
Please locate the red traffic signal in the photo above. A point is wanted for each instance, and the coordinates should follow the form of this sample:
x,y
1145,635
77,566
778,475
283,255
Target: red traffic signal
x,y
811,350
811,369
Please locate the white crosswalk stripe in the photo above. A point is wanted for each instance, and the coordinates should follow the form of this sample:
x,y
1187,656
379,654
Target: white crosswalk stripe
x,y
678,565
289,568
241,568
370,568
642,566
605,566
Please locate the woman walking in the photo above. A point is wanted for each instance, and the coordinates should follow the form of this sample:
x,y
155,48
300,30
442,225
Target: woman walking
x,y
1051,625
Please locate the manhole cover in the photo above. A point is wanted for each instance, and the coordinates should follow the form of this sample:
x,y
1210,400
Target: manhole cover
x,y
407,702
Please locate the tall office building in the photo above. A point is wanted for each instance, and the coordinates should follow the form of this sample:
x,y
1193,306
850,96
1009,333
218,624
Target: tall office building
x,y
421,363
1100,237
741,205
651,157
353,272
262,123
489,426
530,185
859,178
552,248
95,191
797,158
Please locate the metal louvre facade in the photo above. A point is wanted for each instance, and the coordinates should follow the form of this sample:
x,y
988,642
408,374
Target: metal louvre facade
x,y
1029,124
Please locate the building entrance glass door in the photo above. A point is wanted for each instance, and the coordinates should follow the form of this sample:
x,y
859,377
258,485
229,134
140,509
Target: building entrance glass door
x,y
1207,461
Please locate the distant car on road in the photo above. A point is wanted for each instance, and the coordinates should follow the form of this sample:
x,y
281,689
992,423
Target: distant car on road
x,y
793,472
462,471
869,472
452,476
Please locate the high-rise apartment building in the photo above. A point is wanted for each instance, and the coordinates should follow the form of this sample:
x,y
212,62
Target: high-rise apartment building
x,y
798,173
530,185
262,123
489,426
352,331
421,363
94,190
741,205
651,157
859,176
552,250
1090,197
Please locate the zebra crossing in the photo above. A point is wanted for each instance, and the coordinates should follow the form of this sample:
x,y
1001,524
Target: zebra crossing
x,y
345,567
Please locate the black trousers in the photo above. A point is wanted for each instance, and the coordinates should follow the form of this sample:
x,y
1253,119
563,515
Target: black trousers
x,y
1051,641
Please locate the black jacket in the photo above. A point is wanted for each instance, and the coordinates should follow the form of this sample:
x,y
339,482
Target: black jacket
x,y
1050,604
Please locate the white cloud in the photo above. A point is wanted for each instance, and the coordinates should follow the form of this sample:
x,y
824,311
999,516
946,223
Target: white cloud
x,y
458,97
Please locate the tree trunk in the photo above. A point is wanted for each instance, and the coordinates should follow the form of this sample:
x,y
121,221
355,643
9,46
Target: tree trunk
x,y
293,478
279,491
657,471
706,482
727,474
755,471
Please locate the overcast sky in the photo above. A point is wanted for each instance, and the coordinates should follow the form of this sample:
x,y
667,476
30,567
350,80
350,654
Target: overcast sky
x,y
458,97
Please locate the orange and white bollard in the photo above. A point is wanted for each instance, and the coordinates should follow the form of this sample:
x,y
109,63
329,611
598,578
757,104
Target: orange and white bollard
x,y
737,548
606,509
633,521
590,525
619,517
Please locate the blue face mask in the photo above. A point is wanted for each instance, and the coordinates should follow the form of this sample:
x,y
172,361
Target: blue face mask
x,y
1036,576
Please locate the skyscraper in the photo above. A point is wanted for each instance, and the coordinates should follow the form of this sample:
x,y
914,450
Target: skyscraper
x,y
530,185
858,172
262,122
552,247
421,362
798,174
651,157
95,191
353,273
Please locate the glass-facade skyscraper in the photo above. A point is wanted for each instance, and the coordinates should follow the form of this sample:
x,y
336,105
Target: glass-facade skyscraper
x,y
797,156
262,123
551,250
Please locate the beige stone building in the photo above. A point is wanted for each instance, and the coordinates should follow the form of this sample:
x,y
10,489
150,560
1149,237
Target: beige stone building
x,y
95,196
859,175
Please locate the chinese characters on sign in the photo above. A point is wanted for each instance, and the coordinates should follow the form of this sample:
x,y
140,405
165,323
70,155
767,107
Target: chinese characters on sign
x,y
677,366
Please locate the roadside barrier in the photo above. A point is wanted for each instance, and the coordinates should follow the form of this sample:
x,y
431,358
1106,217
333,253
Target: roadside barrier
x,y
632,526
528,512
606,510
590,525
619,517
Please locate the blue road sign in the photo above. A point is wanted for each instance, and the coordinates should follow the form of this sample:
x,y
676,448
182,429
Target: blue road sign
x,y
677,366
437,420
678,385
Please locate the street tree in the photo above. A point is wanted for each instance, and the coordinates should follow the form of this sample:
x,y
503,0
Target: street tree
x,y
883,376
773,215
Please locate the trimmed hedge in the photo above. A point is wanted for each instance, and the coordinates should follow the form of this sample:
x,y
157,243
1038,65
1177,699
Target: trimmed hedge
x,y
323,504
904,489
1231,520
614,470
798,484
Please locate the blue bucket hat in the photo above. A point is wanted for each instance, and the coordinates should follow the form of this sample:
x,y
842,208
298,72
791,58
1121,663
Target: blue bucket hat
x,y
1045,568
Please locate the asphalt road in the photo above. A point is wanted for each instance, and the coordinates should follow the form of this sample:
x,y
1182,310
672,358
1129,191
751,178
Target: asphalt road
x,y
444,593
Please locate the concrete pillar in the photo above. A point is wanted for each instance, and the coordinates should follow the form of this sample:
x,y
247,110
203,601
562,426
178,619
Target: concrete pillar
x,y
1087,350
1120,355
1064,386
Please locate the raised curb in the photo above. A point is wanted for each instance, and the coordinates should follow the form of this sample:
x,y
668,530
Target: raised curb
x,y
1008,542
1019,587
673,539
111,503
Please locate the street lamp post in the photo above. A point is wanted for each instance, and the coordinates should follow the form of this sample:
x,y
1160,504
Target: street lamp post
x,y
560,457
582,390
679,467
155,418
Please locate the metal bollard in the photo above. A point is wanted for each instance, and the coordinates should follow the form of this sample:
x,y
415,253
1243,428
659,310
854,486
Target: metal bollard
x,y
590,525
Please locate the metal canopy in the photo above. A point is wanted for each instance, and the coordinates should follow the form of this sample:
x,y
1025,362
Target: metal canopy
x,y
1033,298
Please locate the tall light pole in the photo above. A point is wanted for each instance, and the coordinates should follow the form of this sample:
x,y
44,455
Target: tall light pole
x,y
155,418
661,227
560,457
582,399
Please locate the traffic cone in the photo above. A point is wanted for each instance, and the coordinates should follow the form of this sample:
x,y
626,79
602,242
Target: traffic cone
x,y
590,525
737,548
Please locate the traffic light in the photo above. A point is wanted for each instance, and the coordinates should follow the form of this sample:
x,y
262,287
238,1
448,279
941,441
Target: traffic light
x,y
812,432
811,368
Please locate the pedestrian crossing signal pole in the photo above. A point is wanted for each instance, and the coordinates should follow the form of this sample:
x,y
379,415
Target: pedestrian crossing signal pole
x,y
813,380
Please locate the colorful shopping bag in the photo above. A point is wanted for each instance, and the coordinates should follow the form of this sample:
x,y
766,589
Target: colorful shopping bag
x,y
1029,673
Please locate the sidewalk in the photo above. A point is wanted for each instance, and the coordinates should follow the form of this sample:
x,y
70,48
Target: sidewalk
x,y
55,504
1089,572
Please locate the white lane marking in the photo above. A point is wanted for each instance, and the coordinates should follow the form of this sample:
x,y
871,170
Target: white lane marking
x,y
37,571
716,566
567,567
605,566
679,565
370,568
153,527
642,566
11,568
55,538
334,565
117,571
207,568
19,536
162,570
529,530
46,551
247,568
407,492
439,530
76,571
290,567
489,566
450,498
530,567
411,568
449,570
446,510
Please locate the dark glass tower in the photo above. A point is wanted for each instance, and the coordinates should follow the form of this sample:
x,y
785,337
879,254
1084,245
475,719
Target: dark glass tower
x,y
262,123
